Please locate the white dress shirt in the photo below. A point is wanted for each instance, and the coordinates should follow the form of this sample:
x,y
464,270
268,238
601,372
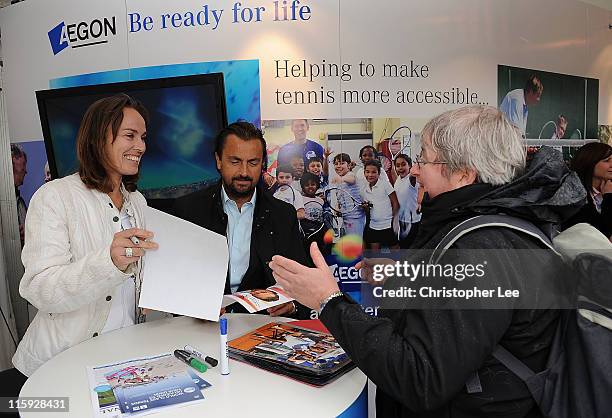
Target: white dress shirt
x,y
515,108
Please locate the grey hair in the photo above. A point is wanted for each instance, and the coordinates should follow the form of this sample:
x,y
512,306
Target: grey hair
x,y
479,138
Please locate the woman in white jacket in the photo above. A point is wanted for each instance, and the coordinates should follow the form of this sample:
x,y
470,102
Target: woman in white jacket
x,y
85,236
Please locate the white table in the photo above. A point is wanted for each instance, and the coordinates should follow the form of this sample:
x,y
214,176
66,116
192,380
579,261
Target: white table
x,y
246,391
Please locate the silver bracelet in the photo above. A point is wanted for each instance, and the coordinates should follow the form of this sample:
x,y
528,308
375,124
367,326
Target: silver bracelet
x,y
327,299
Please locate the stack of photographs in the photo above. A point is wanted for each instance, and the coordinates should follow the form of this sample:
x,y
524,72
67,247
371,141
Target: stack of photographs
x,y
305,355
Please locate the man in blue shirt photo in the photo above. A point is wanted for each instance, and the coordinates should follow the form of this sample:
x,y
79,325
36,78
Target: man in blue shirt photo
x,y
516,102
301,145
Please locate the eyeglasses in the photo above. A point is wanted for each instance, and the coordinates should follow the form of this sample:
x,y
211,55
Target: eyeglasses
x,y
420,161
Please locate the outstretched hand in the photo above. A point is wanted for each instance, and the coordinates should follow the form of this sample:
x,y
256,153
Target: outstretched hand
x,y
309,286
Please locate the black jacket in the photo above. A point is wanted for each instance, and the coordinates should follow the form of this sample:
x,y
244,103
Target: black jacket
x,y
420,360
275,231
588,214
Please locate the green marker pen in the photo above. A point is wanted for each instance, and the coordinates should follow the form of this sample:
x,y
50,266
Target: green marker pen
x,y
187,358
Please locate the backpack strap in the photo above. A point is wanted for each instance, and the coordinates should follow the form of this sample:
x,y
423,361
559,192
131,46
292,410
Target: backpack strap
x,y
515,365
484,221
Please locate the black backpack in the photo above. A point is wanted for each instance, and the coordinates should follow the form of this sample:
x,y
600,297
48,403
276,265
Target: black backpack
x,y
577,381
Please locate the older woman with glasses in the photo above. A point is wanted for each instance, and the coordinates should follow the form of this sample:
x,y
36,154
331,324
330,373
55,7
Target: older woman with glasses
x,y
472,162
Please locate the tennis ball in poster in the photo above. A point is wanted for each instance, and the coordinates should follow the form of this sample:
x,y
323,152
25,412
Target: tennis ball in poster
x,y
348,248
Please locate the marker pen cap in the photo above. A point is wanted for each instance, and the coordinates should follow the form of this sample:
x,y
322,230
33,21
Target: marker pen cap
x,y
201,367
223,326
194,352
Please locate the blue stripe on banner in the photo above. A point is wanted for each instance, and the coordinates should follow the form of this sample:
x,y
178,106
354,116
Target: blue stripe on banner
x,y
105,77
241,79
359,408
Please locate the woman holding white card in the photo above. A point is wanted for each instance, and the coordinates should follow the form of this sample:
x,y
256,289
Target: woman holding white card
x,y
85,237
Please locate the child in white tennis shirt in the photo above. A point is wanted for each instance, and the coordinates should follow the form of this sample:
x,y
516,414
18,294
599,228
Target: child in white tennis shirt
x,y
379,231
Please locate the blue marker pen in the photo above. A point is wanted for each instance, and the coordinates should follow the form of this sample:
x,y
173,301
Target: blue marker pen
x,y
224,360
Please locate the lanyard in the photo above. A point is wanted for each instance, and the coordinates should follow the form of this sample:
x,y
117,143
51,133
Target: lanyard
x,y
128,220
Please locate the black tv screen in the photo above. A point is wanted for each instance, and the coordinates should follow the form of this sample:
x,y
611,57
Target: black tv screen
x,y
185,115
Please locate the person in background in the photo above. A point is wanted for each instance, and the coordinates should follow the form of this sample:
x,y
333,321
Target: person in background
x,y
344,179
310,186
386,156
409,196
20,162
561,127
300,146
515,104
315,166
297,171
367,154
472,161
383,207
47,172
284,177
559,133
593,164
85,236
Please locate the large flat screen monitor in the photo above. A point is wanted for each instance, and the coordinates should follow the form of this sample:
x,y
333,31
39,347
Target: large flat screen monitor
x,y
185,115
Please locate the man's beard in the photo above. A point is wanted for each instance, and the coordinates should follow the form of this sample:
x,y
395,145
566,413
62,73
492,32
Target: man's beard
x,y
233,192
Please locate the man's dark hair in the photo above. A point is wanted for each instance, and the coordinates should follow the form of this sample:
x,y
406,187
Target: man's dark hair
x,y
243,130
314,160
405,157
585,160
102,117
533,85
342,157
284,169
374,163
365,148
310,178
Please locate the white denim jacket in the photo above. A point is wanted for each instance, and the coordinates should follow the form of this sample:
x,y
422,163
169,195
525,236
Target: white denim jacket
x,y
68,269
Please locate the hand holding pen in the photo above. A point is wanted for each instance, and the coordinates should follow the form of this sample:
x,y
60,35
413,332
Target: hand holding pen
x,y
129,245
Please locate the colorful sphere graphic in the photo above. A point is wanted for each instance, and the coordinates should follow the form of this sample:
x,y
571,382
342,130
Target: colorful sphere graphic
x,y
348,248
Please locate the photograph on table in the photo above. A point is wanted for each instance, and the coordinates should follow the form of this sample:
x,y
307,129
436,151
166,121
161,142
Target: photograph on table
x,y
258,299
310,356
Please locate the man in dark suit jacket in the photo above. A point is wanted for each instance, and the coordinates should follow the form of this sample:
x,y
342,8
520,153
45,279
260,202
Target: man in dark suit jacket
x,y
257,225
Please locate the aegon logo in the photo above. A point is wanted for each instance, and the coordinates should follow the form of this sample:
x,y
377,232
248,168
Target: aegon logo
x,y
77,35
